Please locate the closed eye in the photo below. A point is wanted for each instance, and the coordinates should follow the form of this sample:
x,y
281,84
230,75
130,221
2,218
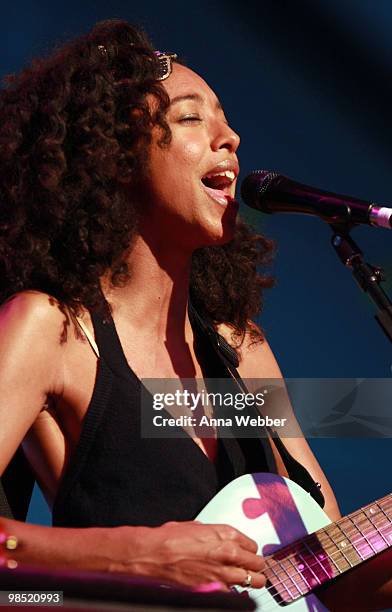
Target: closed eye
x,y
190,118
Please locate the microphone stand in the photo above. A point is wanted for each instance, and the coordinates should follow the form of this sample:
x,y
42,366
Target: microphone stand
x,y
366,275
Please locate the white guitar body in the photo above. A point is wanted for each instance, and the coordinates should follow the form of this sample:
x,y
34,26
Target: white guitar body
x,y
273,511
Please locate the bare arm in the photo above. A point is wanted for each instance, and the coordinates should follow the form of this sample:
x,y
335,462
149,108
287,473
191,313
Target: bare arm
x,y
30,365
258,362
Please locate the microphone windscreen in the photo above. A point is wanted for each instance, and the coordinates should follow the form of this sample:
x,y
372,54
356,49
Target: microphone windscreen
x,y
254,186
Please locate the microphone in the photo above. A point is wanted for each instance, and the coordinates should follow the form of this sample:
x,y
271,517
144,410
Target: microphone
x,y
271,192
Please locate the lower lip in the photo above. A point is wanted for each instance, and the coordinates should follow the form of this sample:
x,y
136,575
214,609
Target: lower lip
x,y
219,196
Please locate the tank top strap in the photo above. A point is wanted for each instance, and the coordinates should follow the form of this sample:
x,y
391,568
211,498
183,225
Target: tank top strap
x,y
88,334
109,346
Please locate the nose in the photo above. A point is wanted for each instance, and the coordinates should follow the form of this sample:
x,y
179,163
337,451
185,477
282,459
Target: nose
x,y
225,138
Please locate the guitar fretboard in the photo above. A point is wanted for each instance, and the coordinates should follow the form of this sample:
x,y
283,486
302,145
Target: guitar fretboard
x,y
297,569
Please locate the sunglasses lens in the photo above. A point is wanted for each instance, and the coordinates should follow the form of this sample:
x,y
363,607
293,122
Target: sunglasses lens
x,y
164,64
164,68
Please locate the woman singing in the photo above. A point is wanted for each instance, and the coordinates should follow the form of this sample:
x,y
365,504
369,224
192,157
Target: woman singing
x,y
119,233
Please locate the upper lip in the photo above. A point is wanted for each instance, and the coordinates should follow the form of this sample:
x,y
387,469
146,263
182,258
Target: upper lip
x,y
226,164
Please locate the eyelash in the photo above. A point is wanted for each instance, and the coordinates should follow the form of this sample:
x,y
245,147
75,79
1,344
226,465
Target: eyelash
x,y
190,118
195,118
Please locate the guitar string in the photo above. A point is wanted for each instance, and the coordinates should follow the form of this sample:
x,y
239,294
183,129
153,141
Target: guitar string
x,y
290,557
324,530
290,578
266,590
330,556
261,593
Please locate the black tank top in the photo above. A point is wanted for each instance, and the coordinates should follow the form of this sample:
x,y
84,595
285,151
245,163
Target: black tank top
x,y
116,477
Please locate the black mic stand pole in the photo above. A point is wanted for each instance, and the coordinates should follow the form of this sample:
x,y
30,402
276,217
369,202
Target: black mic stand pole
x,y
367,276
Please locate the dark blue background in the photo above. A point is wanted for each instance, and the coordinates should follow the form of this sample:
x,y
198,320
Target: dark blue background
x,y
307,84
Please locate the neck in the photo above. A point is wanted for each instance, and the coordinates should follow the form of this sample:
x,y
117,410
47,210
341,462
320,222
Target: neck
x,y
155,298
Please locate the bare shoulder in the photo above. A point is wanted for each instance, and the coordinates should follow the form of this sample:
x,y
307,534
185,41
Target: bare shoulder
x,y
256,359
33,326
32,309
31,299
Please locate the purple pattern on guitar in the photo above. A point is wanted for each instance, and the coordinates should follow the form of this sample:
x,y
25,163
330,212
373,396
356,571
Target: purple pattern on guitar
x,y
292,569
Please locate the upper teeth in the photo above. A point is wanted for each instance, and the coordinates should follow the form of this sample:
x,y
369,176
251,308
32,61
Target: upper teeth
x,y
229,173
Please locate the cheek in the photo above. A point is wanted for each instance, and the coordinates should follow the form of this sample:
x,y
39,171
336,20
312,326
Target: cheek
x,y
173,169
185,164
180,164
192,152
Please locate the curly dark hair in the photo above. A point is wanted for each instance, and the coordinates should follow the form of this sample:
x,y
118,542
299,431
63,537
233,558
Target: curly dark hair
x,y
74,127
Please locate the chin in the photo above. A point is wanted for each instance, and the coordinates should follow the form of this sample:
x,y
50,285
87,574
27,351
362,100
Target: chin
x,y
218,236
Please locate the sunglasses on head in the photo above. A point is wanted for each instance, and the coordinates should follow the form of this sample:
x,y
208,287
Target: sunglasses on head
x,y
165,64
165,60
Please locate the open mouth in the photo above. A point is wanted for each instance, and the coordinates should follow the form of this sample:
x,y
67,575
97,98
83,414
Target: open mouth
x,y
218,185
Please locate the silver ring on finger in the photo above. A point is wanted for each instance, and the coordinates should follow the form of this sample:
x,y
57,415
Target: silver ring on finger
x,y
247,584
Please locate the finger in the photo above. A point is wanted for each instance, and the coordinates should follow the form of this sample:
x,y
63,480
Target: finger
x,y
238,577
257,580
226,532
231,553
249,561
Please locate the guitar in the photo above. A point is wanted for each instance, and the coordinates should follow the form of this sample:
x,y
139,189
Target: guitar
x,y
302,548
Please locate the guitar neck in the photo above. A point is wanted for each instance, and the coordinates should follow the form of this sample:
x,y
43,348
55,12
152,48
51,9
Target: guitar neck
x,y
316,559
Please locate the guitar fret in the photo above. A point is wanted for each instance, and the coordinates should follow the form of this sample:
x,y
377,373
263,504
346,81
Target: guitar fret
x,y
354,535
321,556
384,525
367,538
389,524
294,580
386,505
373,538
324,574
278,584
284,579
308,566
368,541
386,509
349,551
311,561
337,555
305,569
302,575
291,588
380,522
315,578
381,514
313,557
295,576
364,523
335,569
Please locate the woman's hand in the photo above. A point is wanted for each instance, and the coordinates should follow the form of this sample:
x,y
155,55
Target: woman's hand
x,y
191,553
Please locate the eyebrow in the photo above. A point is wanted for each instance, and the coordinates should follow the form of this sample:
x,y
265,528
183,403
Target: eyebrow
x,y
196,97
